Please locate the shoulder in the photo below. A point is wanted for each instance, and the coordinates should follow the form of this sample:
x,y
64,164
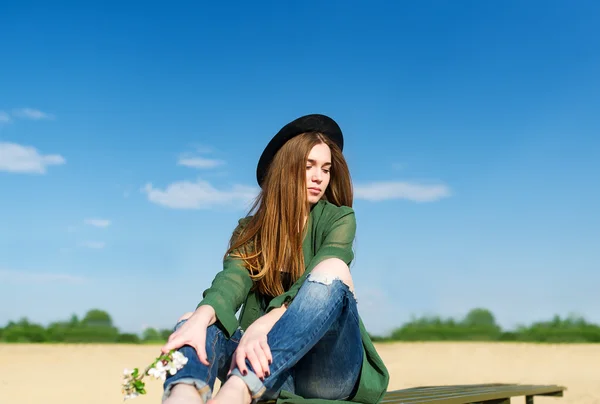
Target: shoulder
x,y
331,211
241,225
330,215
242,222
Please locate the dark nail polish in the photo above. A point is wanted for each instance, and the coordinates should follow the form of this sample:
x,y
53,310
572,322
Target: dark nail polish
x,y
245,373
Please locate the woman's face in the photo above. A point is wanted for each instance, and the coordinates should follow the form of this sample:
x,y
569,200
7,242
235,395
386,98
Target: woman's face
x,y
318,169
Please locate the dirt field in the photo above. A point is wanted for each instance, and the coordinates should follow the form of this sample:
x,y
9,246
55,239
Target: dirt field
x,y
91,374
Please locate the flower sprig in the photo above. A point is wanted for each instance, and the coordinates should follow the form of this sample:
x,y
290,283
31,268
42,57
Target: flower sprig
x,y
133,385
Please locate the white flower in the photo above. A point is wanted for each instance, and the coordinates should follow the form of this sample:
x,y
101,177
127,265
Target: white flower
x,y
165,363
157,374
160,366
131,395
179,360
127,377
171,368
159,371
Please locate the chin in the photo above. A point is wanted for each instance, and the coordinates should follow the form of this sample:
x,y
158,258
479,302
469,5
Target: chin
x,y
314,199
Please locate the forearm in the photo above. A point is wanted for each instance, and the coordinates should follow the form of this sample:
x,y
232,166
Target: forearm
x,y
207,313
272,317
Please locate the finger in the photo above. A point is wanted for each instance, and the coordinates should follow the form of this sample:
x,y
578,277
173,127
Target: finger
x,y
262,359
267,350
200,346
264,363
201,352
240,361
174,343
255,362
231,364
173,335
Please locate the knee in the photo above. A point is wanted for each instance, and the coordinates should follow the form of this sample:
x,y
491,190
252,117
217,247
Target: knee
x,y
185,316
331,269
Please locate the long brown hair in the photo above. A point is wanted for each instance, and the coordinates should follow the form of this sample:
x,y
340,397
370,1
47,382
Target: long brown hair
x,y
272,237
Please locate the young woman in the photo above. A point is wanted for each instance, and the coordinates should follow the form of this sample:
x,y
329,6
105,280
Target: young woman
x,y
299,337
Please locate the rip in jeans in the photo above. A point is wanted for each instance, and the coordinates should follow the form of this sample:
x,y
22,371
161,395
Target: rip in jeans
x,y
327,279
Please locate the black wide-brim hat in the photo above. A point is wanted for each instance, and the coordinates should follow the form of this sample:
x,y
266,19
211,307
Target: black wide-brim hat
x,y
308,123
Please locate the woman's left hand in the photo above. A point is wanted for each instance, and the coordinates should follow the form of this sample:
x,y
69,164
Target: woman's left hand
x,y
253,345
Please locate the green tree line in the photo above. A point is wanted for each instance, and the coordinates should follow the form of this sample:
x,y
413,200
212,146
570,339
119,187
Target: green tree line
x,y
95,327
478,325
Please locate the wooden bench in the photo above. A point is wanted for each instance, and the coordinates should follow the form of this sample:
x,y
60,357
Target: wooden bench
x,y
495,393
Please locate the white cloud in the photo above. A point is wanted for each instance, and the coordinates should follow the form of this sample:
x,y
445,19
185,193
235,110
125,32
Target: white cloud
x,y
97,222
96,245
192,160
37,277
199,162
200,148
198,195
26,159
379,191
30,113
4,117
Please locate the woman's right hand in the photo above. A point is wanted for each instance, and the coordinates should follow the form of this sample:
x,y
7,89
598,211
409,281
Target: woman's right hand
x,y
192,332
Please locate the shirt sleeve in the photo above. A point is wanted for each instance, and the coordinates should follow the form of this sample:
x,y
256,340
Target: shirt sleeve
x,y
338,239
228,292
337,243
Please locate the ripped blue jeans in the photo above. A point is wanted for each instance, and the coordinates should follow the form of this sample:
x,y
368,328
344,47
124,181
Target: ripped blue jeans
x,y
316,347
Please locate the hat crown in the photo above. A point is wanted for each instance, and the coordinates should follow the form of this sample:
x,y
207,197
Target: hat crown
x,y
307,123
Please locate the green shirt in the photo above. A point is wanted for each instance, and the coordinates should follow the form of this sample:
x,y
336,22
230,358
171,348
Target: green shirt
x,y
331,231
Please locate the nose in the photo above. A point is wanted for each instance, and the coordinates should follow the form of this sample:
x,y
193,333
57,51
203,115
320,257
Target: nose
x,y
316,177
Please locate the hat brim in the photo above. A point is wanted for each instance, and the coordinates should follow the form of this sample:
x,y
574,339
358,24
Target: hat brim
x,y
308,123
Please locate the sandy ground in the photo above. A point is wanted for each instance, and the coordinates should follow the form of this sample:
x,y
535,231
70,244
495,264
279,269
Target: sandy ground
x,y
90,374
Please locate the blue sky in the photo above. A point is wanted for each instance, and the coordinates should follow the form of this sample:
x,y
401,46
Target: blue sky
x,y
129,137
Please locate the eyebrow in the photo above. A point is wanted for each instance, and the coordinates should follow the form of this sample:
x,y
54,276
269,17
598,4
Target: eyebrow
x,y
315,162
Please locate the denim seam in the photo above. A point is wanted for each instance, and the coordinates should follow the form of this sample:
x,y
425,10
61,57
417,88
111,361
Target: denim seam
x,y
214,343
354,314
287,358
233,339
346,298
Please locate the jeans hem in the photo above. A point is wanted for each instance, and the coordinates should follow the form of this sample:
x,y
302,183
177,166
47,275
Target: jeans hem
x,y
256,387
203,388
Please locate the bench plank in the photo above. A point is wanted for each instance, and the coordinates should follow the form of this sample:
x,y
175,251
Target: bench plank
x,y
471,393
